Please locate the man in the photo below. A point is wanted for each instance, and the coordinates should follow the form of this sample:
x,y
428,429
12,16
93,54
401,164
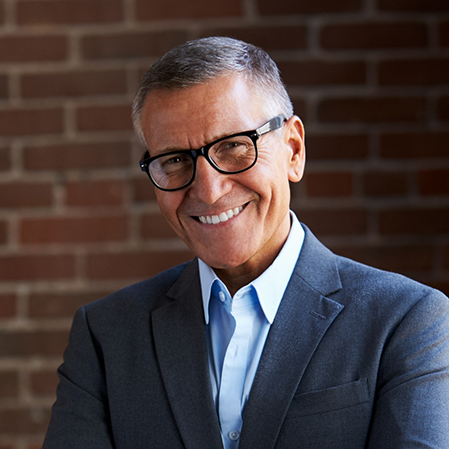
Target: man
x,y
266,339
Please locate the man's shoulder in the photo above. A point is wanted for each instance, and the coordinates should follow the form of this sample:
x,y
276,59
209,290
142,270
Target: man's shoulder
x,y
141,297
384,290
357,280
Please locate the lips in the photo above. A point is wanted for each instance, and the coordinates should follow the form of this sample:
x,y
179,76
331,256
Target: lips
x,y
224,216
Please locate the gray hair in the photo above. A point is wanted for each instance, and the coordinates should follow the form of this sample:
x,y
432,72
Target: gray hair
x,y
201,60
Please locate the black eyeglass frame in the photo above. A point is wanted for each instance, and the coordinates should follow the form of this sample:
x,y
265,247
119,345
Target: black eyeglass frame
x,y
272,125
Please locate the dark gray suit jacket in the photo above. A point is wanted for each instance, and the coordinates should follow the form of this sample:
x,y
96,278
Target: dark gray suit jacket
x,y
356,358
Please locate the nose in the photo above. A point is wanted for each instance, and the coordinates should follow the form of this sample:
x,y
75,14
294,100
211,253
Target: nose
x,y
209,185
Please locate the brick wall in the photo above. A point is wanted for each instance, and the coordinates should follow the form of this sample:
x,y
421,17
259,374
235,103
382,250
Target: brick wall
x,y
78,218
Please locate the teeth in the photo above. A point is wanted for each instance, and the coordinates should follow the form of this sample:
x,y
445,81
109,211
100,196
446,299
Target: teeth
x,y
224,216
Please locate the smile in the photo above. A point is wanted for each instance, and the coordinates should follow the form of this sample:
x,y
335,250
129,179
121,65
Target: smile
x,y
224,216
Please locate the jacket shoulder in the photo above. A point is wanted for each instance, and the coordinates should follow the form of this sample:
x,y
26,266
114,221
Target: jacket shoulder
x,y
384,290
142,297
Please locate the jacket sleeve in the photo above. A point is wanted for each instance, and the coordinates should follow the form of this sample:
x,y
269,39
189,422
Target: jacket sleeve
x,y
412,399
80,416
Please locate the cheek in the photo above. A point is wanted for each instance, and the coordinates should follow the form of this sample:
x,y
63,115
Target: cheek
x,y
168,205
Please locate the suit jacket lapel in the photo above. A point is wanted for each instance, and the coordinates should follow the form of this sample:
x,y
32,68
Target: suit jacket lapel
x,y
302,320
181,346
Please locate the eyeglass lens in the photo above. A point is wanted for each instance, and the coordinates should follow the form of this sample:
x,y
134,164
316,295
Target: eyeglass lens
x,y
230,155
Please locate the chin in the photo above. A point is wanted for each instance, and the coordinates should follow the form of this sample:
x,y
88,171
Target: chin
x,y
224,263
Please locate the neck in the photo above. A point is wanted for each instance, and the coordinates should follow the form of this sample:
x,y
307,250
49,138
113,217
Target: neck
x,y
237,277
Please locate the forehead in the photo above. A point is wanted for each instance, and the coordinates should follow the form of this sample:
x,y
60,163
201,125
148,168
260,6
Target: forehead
x,y
192,117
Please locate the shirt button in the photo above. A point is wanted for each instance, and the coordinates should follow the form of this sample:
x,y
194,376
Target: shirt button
x,y
234,435
222,296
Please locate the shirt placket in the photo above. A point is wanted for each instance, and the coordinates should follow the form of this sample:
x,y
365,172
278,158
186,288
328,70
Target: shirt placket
x,y
234,372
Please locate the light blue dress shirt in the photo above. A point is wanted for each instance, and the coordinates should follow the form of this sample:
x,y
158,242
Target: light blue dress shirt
x,y
237,330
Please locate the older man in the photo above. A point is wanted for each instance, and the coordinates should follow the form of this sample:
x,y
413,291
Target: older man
x,y
266,339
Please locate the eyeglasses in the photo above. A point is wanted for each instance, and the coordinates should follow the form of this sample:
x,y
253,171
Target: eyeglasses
x,y
229,155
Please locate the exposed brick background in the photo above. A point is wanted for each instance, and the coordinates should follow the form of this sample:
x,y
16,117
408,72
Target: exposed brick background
x,y
369,78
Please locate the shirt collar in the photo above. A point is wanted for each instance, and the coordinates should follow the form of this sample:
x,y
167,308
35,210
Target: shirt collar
x,y
269,293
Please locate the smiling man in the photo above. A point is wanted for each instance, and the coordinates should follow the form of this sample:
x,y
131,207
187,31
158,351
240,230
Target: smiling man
x,y
266,339
236,223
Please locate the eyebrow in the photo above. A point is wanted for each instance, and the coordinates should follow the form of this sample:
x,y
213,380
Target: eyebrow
x,y
174,149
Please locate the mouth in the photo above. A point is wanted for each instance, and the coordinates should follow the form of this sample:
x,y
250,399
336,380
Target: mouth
x,y
224,216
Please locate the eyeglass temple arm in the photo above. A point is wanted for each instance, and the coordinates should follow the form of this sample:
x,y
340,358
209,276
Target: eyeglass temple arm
x,y
144,165
272,125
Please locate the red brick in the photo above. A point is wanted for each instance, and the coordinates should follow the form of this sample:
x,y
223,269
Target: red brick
x,y
415,72
104,118
5,159
95,193
131,45
299,106
374,35
414,221
443,108
155,226
74,229
37,343
23,421
400,259
446,258
444,34
9,384
74,84
17,122
81,156
414,145
287,37
143,189
180,9
434,182
385,183
44,383
413,5
374,109
33,48
68,12
24,194
7,306
60,305
133,265
336,146
334,221
310,73
328,184
4,85
268,7
3,232
36,267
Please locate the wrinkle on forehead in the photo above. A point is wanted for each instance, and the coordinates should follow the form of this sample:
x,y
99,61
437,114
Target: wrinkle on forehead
x,y
193,117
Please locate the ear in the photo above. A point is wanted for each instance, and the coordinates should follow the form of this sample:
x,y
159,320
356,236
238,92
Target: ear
x,y
294,138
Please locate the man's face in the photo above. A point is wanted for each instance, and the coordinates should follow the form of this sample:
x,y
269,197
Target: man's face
x,y
190,118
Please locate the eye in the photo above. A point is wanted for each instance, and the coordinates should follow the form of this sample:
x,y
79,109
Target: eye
x,y
232,146
173,160
174,163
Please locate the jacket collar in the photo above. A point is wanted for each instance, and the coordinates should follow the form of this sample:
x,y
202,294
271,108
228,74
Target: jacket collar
x,y
181,348
302,320
305,314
